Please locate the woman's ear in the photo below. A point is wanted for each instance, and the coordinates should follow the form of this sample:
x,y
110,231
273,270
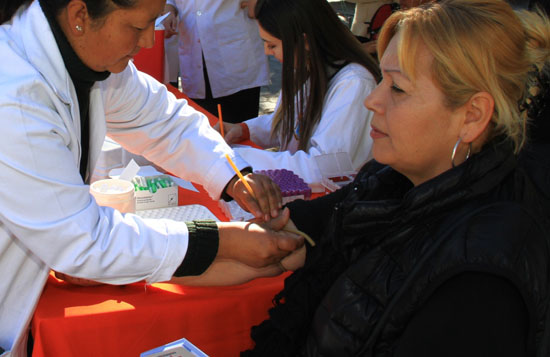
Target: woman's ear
x,y
478,113
77,18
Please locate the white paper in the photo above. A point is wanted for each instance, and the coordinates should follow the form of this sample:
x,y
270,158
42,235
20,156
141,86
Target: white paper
x,y
130,171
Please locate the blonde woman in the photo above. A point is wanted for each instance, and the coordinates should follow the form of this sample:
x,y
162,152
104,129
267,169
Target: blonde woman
x,y
440,246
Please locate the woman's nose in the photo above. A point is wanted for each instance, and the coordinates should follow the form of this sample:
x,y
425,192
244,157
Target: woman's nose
x,y
147,38
373,101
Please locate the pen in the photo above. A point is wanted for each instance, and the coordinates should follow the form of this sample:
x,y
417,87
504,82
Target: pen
x,y
238,172
220,118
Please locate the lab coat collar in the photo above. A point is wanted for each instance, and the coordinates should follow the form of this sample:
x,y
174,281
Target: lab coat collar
x,y
42,52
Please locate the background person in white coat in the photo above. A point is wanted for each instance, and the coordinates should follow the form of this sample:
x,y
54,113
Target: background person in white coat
x,y
65,82
326,75
221,56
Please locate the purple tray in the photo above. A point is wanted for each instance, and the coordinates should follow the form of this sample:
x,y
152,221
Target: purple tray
x,y
290,183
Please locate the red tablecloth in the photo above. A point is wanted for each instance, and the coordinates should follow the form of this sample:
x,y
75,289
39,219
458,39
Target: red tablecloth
x,y
127,320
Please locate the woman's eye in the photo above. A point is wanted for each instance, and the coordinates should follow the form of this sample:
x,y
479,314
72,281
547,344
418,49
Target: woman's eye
x,y
396,89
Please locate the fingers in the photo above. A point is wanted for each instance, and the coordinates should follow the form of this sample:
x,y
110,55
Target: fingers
x,y
268,195
169,33
289,243
264,200
233,135
280,221
294,260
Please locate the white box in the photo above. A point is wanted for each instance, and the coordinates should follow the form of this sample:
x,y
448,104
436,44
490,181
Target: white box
x,y
179,348
336,170
155,192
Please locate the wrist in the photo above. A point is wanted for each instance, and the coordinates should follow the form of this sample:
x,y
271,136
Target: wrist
x,y
172,9
245,132
227,193
225,234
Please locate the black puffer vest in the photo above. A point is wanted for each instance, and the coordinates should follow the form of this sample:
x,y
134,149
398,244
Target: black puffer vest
x,y
392,245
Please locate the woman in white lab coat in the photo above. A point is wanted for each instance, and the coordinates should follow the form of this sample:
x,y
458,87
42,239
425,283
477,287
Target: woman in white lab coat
x,y
326,76
65,82
220,55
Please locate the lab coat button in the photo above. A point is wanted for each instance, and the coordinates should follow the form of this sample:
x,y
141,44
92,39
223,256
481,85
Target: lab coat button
x,y
199,13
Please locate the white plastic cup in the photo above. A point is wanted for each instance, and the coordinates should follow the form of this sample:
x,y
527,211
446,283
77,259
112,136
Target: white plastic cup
x,y
115,193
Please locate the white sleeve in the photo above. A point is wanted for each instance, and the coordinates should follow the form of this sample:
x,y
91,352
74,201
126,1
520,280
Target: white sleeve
x,y
48,211
260,131
148,120
344,127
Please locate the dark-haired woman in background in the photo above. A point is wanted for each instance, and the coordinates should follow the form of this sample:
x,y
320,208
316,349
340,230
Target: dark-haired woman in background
x,y
65,82
325,77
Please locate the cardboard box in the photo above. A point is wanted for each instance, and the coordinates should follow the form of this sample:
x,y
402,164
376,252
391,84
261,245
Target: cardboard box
x,y
155,192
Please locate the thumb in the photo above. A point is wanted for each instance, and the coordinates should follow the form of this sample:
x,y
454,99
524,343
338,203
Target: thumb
x,y
244,4
280,221
289,242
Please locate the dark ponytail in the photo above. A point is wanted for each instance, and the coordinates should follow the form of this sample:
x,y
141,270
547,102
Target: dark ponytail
x,y
96,8
9,7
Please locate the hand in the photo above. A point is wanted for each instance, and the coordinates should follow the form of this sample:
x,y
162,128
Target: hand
x,y
170,22
232,132
266,200
251,5
76,281
297,258
256,245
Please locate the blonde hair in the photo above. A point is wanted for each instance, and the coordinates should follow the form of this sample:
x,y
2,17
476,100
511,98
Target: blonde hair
x,y
478,46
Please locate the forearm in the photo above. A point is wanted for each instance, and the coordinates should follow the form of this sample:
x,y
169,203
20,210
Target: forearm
x,y
202,248
246,251
225,272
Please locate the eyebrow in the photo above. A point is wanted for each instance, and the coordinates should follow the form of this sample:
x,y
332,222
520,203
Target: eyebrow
x,y
391,70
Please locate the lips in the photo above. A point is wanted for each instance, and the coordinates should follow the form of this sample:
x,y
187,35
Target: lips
x,y
377,134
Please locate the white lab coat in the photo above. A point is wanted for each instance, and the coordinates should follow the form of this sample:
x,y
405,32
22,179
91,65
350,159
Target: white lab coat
x,y
232,47
344,127
48,219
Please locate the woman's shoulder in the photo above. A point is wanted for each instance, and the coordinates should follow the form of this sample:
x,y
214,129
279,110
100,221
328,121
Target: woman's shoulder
x,y
354,71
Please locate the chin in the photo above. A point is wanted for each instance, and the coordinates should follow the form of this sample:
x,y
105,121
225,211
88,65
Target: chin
x,y
118,67
382,156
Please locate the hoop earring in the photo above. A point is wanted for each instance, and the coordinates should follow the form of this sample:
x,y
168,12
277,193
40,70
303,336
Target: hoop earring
x,y
454,151
78,28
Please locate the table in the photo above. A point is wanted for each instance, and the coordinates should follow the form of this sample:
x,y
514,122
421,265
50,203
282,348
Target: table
x,y
127,320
